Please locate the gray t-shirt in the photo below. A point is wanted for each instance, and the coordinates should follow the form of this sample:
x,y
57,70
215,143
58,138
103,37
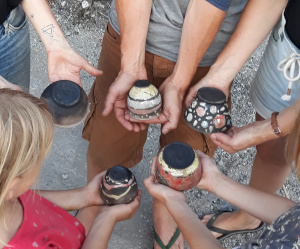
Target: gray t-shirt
x,y
165,27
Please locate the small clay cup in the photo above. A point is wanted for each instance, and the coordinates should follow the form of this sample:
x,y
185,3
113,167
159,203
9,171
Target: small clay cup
x,y
144,101
178,166
118,186
67,101
209,112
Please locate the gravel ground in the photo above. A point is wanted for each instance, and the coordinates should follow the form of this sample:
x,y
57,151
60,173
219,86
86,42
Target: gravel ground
x,y
66,166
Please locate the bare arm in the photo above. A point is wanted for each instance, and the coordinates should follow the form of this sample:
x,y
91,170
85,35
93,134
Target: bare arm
x,y
133,16
257,20
264,206
63,62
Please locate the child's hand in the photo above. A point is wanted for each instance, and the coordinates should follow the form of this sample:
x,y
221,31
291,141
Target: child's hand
x,y
159,191
93,190
210,172
122,212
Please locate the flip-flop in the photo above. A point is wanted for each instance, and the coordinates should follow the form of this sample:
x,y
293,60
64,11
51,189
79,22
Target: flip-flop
x,y
171,242
227,233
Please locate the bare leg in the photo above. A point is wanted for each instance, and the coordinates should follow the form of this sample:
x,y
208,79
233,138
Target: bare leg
x,y
165,226
269,173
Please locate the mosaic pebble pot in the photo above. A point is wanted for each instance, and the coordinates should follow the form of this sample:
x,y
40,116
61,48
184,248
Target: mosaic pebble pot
x,y
144,101
118,186
178,166
67,102
208,112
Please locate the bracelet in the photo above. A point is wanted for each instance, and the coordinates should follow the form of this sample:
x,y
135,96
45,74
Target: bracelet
x,y
274,123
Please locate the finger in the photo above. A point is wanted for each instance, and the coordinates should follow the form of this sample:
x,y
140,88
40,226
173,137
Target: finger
x,y
109,103
223,141
201,154
189,98
90,69
153,166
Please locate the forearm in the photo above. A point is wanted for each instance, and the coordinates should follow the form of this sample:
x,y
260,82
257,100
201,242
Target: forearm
x,y
133,16
200,27
194,232
264,206
100,232
69,200
41,17
257,20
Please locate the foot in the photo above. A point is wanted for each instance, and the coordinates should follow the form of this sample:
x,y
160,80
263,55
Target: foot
x,y
165,226
232,221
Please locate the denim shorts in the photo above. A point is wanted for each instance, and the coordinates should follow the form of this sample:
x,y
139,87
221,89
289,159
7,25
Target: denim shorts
x,y
15,49
270,83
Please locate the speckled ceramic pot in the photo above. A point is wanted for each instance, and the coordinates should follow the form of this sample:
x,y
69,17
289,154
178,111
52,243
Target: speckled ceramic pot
x,y
178,166
208,112
144,101
118,186
67,101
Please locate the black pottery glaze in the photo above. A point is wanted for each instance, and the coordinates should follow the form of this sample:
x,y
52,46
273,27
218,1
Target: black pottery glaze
x,y
209,112
144,101
67,101
118,186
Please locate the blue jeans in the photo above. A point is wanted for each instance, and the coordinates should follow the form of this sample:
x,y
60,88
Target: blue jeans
x,y
15,49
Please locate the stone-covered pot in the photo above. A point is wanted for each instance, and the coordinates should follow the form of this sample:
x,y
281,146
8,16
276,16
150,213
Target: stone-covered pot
x,y
118,186
178,166
209,112
67,101
144,101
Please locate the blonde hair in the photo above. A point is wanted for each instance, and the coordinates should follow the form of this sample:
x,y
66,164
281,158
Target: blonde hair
x,y
293,147
26,132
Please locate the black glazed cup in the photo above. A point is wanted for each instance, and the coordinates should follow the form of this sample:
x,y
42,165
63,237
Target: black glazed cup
x,y
209,113
118,186
67,101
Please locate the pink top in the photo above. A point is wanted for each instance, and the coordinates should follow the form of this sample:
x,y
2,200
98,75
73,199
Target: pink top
x,y
45,225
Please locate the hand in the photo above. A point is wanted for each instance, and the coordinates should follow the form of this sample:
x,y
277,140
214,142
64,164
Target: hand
x,y
237,139
210,172
172,97
122,212
93,190
65,64
159,191
6,84
206,81
117,98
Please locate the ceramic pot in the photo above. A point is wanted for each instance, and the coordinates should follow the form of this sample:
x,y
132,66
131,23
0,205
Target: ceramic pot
x,y
144,101
208,112
178,166
118,186
67,101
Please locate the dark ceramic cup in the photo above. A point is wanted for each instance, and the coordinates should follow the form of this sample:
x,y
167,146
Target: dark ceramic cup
x,y
209,112
178,166
118,186
144,101
67,101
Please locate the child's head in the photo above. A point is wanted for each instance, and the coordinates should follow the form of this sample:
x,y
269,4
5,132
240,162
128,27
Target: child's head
x,y
26,131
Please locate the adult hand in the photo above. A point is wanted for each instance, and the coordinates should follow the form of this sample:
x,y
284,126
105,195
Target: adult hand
x,y
6,84
117,98
237,139
159,191
206,81
172,97
122,212
65,64
210,172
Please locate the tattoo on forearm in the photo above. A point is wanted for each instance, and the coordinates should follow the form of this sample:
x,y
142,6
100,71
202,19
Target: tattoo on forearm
x,y
48,30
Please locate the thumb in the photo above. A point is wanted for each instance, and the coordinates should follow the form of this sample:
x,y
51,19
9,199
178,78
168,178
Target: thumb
x,y
222,140
90,69
109,103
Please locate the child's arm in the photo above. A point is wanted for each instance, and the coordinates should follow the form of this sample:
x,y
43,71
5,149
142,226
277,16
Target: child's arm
x,y
101,229
76,199
63,62
193,230
264,206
